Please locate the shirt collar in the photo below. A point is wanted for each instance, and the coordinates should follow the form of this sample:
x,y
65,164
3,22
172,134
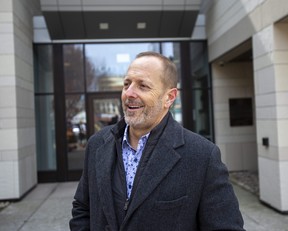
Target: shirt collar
x,y
143,138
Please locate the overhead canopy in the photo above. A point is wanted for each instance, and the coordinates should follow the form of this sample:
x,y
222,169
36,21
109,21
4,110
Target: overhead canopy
x,y
117,19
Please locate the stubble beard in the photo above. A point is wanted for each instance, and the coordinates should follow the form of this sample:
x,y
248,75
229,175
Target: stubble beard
x,y
143,119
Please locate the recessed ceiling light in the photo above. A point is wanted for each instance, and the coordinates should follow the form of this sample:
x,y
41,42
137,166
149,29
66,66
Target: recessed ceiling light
x,y
104,26
141,25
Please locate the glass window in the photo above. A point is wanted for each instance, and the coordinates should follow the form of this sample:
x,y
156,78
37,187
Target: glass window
x,y
75,130
73,68
45,133
199,65
44,108
106,64
202,113
43,69
172,51
201,90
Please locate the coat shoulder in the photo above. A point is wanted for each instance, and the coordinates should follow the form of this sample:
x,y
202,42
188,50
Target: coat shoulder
x,y
197,141
197,148
101,136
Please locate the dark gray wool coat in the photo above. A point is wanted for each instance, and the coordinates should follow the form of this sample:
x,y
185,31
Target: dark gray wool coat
x,y
184,186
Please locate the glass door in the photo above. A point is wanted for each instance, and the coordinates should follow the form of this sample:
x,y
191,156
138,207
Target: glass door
x,y
76,132
103,109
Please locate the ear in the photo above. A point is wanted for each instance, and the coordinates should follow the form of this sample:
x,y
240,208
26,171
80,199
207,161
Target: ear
x,y
170,97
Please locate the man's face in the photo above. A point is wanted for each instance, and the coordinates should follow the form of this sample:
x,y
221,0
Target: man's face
x,y
143,95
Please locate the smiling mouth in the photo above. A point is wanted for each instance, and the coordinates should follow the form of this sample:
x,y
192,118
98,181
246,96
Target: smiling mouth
x,y
134,107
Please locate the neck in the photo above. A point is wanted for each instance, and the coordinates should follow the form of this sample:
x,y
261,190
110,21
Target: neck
x,y
134,136
135,133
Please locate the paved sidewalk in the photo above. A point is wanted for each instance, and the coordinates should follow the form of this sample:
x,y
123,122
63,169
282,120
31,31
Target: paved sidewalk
x,y
258,217
48,208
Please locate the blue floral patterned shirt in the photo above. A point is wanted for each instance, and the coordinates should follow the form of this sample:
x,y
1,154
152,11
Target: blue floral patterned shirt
x,y
131,158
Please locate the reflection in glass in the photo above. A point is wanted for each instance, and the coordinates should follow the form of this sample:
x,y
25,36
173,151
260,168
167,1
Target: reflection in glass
x,y
106,64
106,112
201,98
73,68
202,112
45,133
75,130
43,69
172,51
199,67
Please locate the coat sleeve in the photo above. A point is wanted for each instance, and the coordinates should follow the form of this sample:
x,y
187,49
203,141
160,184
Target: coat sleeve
x,y
81,211
219,207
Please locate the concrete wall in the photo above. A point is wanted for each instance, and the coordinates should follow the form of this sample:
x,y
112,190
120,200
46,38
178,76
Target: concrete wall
x,y
229,24
237,144
18,172
270,48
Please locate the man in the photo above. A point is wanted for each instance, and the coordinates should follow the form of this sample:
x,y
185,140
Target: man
x,y
148,173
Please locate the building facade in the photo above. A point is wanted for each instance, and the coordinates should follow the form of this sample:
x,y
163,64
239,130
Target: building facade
x,y
247,46
61,64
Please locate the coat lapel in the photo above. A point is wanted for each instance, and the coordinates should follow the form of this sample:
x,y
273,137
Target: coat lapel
x,y
104,163
161,162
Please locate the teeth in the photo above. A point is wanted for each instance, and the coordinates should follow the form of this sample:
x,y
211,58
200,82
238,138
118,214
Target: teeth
x,y
134,107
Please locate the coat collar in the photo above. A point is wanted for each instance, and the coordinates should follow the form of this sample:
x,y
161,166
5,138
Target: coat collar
x,y
164,153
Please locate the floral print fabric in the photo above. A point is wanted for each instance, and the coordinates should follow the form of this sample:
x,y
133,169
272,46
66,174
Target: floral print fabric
x,y
131,158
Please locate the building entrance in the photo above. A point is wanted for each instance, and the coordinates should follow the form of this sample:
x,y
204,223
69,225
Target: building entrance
x,y
78,88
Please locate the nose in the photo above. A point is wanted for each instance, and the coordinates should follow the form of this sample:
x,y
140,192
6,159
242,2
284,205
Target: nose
x,y
130,91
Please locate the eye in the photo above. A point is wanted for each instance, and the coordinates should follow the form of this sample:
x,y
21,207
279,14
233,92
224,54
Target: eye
x,y
126,84
144,86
